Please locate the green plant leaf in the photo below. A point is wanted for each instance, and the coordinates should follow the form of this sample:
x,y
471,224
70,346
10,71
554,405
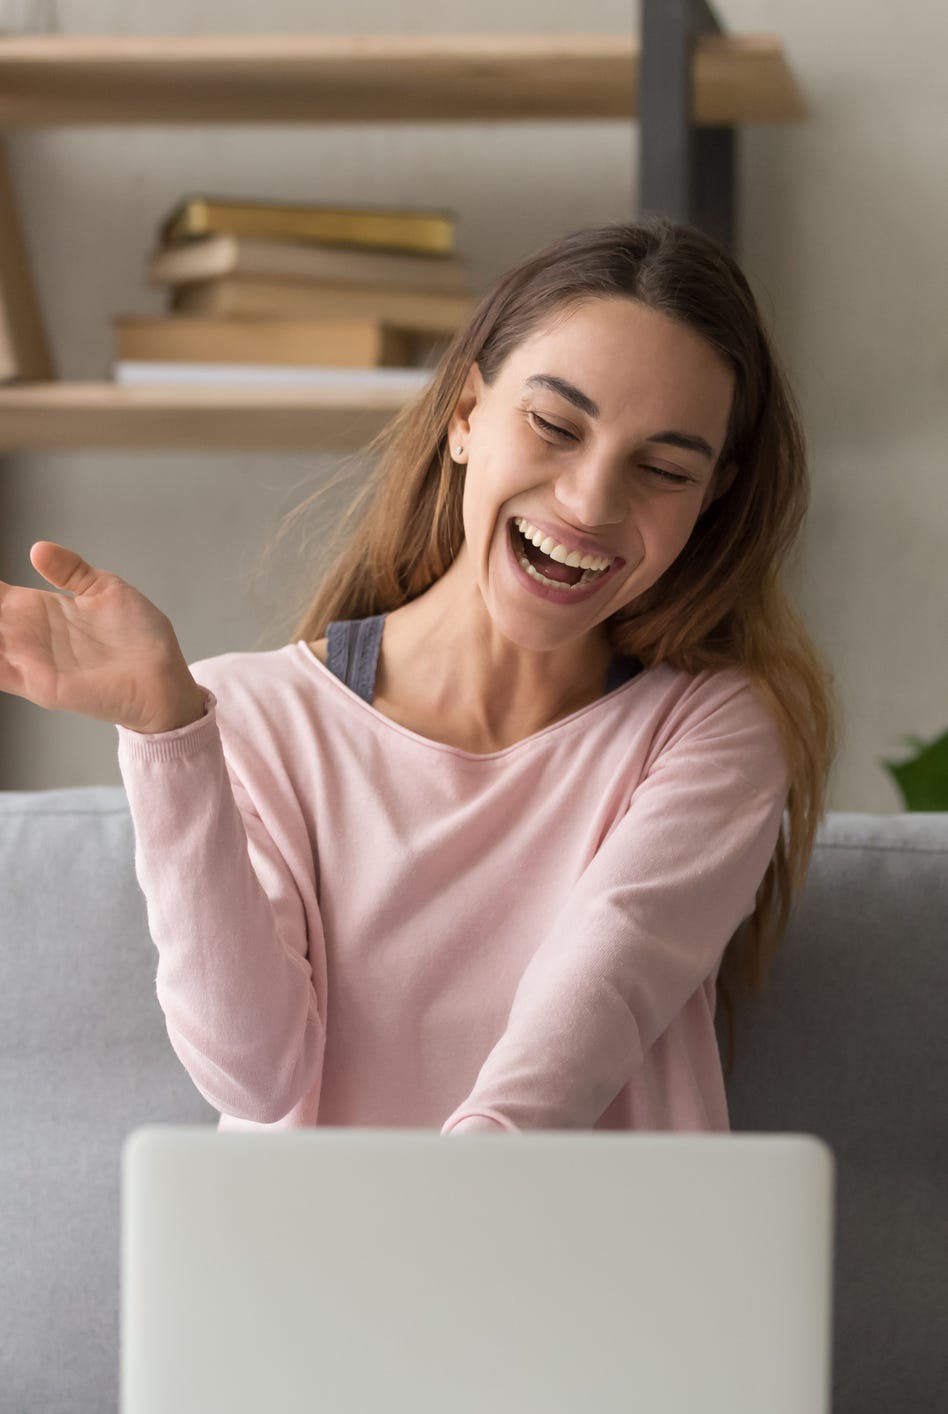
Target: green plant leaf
x,y
923,780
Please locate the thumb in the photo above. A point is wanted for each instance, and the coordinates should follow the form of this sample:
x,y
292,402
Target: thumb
x,y
62,567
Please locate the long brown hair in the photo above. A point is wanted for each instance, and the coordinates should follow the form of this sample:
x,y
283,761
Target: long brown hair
x,y
721,604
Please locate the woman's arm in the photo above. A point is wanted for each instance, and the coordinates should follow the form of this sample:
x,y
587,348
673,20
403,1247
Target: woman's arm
x,y
644,927
223,908
227,918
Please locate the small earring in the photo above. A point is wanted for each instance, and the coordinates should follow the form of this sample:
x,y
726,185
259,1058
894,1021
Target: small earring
x,y
458,451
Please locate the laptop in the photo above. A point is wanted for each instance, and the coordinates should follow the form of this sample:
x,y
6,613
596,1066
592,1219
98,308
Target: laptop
x,y
348,1270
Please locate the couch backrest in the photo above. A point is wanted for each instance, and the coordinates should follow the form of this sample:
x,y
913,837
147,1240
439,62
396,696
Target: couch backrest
x,y
84,1058
849,1044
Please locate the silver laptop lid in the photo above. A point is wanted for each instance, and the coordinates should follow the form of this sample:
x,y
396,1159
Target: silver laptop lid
x,y
348,1270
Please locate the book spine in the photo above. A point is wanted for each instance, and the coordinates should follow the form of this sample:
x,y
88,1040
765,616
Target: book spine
x,y
221,255
363,344
235,297
431,232
148,374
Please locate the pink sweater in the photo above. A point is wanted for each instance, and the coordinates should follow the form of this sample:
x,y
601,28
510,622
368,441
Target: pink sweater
x,y
357,925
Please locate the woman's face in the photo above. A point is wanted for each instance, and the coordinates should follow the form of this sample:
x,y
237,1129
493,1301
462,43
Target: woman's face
x,y
599,437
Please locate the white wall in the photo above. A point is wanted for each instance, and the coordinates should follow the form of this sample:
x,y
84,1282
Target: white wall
x,y
842,234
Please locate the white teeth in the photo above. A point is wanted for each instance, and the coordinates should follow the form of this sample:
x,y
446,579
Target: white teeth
x,y
553,583
548,546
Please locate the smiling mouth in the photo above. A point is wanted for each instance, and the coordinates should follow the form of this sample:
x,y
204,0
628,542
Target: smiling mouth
x,y
544,569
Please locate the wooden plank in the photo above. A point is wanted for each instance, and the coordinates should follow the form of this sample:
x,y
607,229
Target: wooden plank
x,y
77,415
744,79
50,79
24,349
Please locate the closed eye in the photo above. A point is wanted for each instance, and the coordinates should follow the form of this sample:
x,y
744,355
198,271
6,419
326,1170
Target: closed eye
x,y
552,427
669,476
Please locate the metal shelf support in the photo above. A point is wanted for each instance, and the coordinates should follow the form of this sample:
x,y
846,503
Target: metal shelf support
x,y
685,172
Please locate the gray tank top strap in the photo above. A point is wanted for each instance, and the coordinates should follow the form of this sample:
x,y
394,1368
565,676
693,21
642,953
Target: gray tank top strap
x,y
352,653
622,668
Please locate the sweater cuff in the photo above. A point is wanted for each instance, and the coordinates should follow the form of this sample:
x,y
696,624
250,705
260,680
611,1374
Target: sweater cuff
x,y
170,746
482,1122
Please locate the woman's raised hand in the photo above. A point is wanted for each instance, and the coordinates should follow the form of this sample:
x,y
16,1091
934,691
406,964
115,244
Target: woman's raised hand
x,y
106,652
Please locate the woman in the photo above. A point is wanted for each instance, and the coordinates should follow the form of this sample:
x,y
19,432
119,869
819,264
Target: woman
x,y
546,747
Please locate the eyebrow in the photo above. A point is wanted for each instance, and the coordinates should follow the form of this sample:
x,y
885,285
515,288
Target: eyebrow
x,y
565,390
686,440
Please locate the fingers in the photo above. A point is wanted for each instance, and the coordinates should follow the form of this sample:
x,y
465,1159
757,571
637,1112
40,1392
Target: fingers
x,y
62,567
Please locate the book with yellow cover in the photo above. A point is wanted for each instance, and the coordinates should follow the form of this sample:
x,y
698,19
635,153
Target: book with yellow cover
x,y
362,343
429,231
236,297
211,257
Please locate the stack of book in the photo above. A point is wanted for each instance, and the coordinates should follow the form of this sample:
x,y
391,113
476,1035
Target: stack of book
x,y
274,293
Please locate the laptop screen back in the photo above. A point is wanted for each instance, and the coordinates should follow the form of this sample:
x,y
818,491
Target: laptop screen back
x,y
348,1270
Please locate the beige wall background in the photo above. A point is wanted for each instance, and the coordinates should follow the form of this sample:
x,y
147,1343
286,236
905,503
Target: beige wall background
x,y
842,226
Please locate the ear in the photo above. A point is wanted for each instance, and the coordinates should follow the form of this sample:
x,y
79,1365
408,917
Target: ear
x,y
719,483
459,423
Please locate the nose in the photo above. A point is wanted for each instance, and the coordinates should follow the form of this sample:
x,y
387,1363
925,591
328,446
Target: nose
x,y
592,489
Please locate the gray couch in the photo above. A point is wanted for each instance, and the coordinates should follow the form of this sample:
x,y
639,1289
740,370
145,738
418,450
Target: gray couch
x,y
850,1044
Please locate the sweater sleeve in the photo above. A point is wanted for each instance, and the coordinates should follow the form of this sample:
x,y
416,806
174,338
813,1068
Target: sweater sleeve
x,y
234,978
643,928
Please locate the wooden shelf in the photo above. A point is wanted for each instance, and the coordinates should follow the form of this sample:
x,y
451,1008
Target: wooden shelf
x,y
48,416
54,79
254,79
